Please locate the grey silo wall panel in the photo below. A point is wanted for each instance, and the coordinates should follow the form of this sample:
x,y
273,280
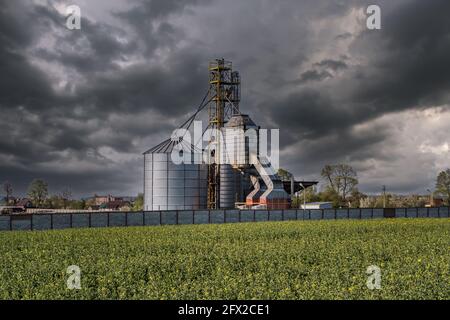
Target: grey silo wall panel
x,y
423,212
231,216
191,175
191,183
378,213
354,213
152,218
117,219
275,215
444,212
4,223
99,220
227,186
24,224
411,212
400,212
42,222
148,181
176,202
201,217
290,214
61,221
176,192
261,215
185,217
80,220
168,217
217,216
342,214
247,215
192,201
366,213
315,214
178,167
434,212
160,157
135,219
329,214
187,167
192,192
203,174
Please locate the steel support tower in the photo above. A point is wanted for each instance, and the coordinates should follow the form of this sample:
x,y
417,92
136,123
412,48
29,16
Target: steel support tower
x,y
225,95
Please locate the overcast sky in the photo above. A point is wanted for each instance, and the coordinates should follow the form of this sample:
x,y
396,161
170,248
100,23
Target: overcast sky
x,y
78,107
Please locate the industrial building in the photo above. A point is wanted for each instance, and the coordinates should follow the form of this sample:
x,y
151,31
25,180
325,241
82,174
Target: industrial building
x,y
246,179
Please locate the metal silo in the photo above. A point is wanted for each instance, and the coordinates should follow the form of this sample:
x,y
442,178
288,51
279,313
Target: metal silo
x,y
170,186
228,186
238,146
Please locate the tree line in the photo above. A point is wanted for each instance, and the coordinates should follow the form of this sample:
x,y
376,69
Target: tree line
x,y
38,194
341,188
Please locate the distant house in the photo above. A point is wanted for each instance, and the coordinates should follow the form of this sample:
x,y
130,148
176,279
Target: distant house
x,y
437,202
117,205
101,200
317,205
24,203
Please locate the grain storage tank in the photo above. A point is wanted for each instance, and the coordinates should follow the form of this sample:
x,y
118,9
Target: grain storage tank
x,y
170,186
241,138
235,155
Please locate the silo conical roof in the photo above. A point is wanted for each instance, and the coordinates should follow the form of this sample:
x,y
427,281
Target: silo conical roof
x,y
168,145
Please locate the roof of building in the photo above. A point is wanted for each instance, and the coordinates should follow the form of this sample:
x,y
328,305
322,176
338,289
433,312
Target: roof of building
x,y
168,145
23,202
318,203
117,204
240,120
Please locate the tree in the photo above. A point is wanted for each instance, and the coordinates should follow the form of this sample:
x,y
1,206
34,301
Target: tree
x,y
66,196
139,203
38,192
443,184
342,181
7,187
284,174
307,195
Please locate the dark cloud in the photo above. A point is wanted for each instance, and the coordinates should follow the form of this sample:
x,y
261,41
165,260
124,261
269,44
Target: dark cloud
x,y
313,75
332,64
81,105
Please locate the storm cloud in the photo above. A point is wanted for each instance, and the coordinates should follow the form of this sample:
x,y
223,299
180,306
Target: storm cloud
x,y
78,107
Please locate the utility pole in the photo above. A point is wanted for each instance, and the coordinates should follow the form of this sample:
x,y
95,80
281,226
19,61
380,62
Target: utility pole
x,y
304,196
431,197
384,196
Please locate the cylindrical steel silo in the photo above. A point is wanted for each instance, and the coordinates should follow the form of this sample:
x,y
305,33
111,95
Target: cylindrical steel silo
x,y
228,186
170,186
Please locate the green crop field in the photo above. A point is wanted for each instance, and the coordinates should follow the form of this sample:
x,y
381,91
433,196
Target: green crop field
x,y
274,260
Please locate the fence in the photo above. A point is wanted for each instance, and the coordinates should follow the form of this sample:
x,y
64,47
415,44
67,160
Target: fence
x,y
152,218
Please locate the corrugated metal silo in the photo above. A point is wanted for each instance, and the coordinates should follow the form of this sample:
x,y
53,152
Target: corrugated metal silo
x,y
228,186
238,146
170,186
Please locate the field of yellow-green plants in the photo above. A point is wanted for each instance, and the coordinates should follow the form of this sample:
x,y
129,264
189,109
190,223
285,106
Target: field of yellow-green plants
x,y
270,260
